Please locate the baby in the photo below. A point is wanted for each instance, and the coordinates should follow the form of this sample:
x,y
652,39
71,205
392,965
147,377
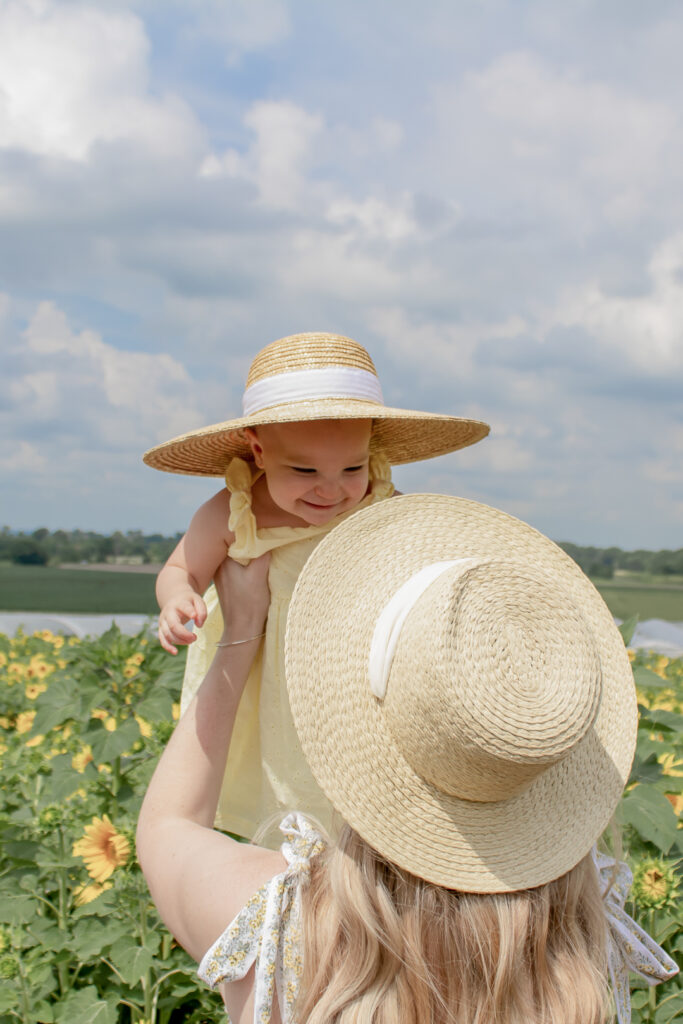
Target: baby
x,y
315,443
312,473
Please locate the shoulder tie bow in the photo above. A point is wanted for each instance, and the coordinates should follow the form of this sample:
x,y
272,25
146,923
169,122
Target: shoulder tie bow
x,y
630,948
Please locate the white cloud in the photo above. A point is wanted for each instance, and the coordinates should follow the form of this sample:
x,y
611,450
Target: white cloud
x,y
73,382
373,218
23,458
279,156
434,347
72,76
560,141
242,26
645,329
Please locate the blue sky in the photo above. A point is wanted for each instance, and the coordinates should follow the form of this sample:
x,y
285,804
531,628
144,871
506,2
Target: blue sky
x,y
485,194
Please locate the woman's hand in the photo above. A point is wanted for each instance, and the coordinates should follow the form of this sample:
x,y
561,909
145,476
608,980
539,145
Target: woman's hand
x,y
244,597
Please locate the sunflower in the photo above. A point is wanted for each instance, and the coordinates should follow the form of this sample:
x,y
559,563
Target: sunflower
x,y
655,884
34,690
16,670
24,721
39,668
145,727
660,666
102,848
90,891
81,760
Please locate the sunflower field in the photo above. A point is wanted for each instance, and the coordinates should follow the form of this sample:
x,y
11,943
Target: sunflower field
x,y
82,723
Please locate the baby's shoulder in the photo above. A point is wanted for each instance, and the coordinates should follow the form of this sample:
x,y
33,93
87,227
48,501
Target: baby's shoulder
x,y
212,517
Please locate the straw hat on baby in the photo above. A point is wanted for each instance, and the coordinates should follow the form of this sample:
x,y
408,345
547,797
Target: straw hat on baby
x,y
315,377
466,701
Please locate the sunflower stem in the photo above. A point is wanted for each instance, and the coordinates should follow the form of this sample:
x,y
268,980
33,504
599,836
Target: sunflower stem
x,y
116,784
652,994
25,998
62,970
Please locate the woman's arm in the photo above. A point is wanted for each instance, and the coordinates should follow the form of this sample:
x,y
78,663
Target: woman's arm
x,y
198,878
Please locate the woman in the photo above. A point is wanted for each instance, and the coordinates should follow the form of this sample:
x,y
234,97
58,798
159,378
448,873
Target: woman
x,y
469,710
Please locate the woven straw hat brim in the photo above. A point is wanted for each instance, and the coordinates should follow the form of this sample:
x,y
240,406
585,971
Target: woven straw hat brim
x,y
520,842
404,435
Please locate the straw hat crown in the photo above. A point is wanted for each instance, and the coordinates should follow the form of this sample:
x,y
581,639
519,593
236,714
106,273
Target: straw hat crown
x,y
310,351
494,678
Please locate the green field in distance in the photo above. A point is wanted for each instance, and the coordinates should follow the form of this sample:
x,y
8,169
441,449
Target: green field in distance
x,y
38,588
647,601
34,588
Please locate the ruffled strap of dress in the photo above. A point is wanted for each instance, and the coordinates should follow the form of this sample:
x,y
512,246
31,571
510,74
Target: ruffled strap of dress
x,y
239,477
267,931
381,485
630,948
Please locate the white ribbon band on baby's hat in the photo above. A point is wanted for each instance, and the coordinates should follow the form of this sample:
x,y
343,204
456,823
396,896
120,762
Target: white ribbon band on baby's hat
x,y
299,385
394,614
630,948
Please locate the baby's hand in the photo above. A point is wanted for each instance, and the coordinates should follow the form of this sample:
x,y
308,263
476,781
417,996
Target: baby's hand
x,y
173,617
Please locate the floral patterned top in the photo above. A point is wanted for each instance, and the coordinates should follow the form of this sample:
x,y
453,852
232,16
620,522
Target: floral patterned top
x,y
267,931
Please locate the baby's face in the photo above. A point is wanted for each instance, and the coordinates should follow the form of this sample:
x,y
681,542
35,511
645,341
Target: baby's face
x,y
314,470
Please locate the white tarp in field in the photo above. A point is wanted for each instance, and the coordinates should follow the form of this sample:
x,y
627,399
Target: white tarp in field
x,y
72,625
653,635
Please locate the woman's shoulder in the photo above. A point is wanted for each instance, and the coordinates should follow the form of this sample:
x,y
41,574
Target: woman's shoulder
x,y
268,925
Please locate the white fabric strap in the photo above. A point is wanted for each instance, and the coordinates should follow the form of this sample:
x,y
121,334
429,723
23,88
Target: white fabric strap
x,y
395,612
630,948
299,385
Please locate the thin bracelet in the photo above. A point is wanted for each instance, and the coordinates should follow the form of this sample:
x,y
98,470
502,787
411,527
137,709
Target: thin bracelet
x,y
234,643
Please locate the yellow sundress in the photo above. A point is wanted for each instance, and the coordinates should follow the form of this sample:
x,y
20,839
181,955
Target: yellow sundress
x,y
266,770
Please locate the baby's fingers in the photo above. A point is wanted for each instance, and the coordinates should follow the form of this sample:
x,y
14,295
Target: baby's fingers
x,y
173,631
198,611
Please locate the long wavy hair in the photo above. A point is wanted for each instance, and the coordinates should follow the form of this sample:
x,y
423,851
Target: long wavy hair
x,y
381,946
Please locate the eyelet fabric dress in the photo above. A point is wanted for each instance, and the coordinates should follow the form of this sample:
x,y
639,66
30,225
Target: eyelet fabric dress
x,y
266,771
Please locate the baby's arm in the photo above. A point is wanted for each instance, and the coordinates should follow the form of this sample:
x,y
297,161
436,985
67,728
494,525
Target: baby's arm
x,y
190,569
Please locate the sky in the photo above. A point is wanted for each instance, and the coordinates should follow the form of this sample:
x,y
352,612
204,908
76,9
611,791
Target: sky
x,y
485,194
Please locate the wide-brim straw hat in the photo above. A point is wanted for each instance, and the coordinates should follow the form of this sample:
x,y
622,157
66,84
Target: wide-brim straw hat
x,y
489,753
315,377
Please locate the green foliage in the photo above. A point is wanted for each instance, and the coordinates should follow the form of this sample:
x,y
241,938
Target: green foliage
x,y
57,546
82,726
650,813
606,561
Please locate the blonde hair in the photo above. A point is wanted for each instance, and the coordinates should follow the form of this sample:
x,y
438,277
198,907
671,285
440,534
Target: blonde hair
x,y
381,946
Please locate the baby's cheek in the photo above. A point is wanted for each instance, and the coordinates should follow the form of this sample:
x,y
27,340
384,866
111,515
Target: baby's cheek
x,y
363,488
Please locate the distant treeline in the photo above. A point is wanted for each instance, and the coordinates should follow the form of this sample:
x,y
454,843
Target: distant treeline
x,y
43,547
601,563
